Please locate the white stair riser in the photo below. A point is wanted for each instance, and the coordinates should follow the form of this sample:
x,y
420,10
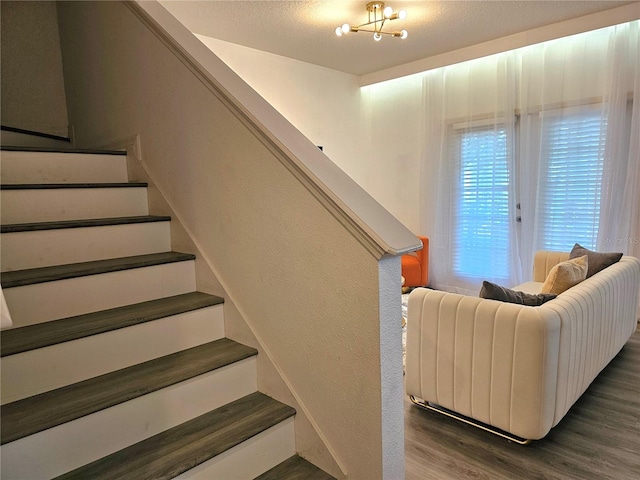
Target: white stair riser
x,y
38,167
43,369
42,302
43,248
63,448
250,458
57,204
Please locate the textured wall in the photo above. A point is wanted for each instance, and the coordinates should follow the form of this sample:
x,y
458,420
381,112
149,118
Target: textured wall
x,y
323,104
33,94
371,133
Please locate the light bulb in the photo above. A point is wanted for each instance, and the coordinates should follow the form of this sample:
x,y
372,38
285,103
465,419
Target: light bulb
x,y
402,14
346,28
404,34
387,12
377,37
339,31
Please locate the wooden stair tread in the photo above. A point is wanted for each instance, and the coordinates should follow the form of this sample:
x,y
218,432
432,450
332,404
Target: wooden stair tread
x,y
31,276
49,409
63,150
49,186
30,337
295,468
92,222
185,446
168,453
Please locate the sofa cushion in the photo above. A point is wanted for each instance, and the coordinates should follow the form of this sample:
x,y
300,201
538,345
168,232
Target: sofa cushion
x,y
496,292
529,287
565,275
597,260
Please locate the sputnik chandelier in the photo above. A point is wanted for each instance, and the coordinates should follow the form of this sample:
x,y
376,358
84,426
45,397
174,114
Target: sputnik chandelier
x,y
378,15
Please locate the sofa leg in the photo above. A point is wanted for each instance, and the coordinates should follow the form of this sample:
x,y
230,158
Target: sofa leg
x,y
450,413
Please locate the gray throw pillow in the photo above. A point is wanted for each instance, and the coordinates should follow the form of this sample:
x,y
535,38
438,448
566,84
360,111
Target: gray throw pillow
x,y
597,260
496,292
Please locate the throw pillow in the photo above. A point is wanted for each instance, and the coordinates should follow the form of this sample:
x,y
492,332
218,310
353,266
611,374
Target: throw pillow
x,y
597,260
565,275
496,292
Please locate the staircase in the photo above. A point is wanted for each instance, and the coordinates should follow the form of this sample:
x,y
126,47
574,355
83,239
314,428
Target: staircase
x,y
115,366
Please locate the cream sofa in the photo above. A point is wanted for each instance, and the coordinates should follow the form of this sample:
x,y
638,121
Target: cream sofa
x,y
519,368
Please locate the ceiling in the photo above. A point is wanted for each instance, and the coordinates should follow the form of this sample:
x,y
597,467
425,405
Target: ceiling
x,y
305,30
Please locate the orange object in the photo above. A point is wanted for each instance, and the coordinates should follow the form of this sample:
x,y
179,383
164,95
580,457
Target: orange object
x,y
415,266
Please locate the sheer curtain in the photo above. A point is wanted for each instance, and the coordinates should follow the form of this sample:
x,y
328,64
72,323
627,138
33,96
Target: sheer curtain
x,y
471,107
559,120
620,217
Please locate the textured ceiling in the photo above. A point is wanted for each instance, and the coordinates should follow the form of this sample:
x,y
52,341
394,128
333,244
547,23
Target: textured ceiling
x,y
304,30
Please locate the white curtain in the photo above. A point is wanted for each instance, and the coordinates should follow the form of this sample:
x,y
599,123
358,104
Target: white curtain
x,y
536,111
477,97
620,217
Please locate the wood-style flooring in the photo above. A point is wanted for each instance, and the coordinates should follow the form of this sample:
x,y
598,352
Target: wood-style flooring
x,y
598,439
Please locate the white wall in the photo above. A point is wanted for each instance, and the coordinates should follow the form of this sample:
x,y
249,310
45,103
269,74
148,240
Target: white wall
x,y
323,104
33,94
331,109
394,170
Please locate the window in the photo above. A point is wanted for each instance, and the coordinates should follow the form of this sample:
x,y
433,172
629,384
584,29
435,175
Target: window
x,y
481,214
572,156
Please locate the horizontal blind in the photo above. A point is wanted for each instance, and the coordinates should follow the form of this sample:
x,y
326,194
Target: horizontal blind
x,y
481,212
572,154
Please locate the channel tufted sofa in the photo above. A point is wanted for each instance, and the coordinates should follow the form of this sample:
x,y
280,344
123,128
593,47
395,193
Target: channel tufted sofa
x,y
517,369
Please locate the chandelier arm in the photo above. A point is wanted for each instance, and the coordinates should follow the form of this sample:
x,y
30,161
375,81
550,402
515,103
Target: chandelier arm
x,y
372,22
358,29
381,25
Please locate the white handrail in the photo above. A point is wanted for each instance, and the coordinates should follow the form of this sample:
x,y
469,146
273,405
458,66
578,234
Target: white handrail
x,y
374,227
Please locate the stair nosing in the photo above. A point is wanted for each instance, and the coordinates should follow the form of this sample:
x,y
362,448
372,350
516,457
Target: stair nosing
x,y
78,185
80,151
84,223
53,408
40,335
33,133
32,276
191,443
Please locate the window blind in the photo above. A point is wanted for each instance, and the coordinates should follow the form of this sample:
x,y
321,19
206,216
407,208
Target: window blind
x,y
481,213
572,154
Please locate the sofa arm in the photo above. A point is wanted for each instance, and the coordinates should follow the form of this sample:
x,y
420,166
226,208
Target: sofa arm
x,y
544,261
492,361
598,316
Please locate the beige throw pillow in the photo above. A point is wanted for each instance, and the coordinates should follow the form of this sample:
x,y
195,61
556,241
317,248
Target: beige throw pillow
x,y
565,275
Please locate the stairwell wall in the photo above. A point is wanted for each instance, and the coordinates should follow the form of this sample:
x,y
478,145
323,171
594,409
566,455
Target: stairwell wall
x,y
33,95
324,104
320,304
381,152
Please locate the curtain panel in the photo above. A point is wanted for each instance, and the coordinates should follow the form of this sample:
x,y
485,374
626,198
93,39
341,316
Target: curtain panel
x,y
536,148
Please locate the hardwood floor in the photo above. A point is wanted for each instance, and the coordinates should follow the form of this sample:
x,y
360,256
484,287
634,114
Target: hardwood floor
x,y
598,439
